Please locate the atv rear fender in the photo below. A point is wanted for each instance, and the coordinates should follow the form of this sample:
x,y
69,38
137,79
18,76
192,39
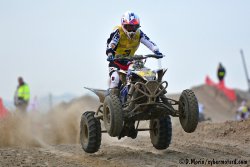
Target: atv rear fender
x,y
99,92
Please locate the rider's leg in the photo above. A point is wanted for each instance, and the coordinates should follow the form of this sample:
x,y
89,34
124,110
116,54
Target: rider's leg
x,y
114,79
114,83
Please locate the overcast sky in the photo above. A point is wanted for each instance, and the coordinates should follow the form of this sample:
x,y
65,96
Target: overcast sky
x,y
58,46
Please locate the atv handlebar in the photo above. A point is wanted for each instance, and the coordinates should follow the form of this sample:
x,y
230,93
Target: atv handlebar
x,y
136,57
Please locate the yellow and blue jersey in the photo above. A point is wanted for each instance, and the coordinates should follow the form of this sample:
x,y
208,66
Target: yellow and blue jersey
x,y
120,44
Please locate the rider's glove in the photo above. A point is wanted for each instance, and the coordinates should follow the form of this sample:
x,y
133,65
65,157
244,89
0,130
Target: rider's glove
x,y
159,54
111,57
110,53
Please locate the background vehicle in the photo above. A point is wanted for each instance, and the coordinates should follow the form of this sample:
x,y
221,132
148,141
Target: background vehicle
x,y
142,97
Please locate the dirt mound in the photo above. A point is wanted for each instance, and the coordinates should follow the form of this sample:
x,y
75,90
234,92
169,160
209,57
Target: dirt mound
x,y
234,132
216,104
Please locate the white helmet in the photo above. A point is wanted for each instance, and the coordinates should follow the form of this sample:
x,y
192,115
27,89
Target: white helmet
x,y
130,23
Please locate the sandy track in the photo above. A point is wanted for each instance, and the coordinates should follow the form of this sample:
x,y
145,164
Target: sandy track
x,y
52,140
137,152
114,155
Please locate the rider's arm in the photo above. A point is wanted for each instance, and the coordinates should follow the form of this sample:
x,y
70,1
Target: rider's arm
x,y
112,42
147,42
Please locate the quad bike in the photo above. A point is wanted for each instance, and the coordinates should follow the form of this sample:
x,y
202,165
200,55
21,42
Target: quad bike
x,y
141,96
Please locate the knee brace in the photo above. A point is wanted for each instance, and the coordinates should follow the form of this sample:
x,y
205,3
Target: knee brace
x,y
114,80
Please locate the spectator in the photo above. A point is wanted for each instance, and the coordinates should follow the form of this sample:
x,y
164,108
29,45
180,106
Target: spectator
x,y
221,72
22,95
242,112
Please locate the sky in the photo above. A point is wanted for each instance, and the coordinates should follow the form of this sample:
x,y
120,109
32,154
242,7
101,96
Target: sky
x,y
58,46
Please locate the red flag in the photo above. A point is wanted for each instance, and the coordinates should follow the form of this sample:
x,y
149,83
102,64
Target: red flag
x,y
230,93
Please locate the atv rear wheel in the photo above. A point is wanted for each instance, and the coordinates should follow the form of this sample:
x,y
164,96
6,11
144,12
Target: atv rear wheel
x,y
113,115
90,132
161,132
189,111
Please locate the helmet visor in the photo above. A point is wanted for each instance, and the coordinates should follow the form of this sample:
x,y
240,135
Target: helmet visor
x,y
131,27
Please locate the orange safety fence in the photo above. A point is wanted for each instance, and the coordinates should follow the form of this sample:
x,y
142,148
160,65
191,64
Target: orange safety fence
x,y
3,110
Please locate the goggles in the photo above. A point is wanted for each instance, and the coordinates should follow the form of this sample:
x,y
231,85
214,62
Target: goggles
x,y
131,27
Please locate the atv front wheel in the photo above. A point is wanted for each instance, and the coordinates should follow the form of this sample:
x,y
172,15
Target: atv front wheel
x,y
112,115
161,132
90,132
189,111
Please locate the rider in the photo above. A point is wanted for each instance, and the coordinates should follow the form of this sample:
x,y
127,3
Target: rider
x,y
125,40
